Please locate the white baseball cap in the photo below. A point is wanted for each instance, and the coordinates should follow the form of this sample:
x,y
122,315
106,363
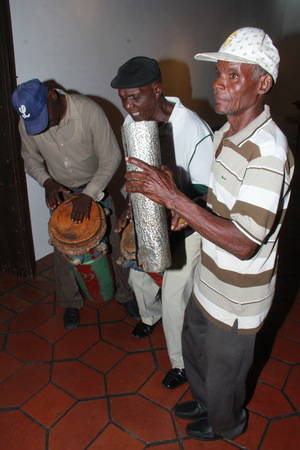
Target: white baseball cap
x,y
247,45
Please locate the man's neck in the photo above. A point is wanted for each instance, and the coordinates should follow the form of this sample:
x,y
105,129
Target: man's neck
x,y
164,110
240,121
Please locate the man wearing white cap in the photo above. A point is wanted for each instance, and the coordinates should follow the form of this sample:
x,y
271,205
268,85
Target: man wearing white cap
x,y
248,195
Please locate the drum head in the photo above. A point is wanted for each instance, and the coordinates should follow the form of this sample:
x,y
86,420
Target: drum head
x,y
76,238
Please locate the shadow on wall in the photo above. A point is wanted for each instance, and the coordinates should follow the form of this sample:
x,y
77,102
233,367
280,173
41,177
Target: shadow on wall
x,y
177,82
115,119
287,90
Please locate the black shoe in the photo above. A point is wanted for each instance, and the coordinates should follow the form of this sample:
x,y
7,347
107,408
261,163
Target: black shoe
x,y
71,318
203,431
174,378
142,330
132,309
190,410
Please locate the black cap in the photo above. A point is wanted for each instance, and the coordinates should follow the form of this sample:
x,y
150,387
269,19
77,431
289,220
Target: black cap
x,y
136,72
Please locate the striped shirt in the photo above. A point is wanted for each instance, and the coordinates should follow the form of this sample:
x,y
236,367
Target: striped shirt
x,y
250,186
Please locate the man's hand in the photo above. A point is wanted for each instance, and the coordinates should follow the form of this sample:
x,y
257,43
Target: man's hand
x,y
124,218
156,184
177,222
81,208
52,191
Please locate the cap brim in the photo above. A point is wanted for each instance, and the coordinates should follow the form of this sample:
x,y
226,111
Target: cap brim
x,y
39,124
219,56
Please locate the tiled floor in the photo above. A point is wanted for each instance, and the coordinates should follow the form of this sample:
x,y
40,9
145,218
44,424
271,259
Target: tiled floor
x,y
98,387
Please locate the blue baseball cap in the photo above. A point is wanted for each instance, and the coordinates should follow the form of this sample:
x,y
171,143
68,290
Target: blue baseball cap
x,y
29,99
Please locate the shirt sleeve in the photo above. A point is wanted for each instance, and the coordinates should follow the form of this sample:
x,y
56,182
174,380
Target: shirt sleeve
x,y
33,160
106,149
259,201
200,162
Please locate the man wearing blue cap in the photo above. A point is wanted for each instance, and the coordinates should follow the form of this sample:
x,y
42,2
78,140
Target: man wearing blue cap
x,y
67,146
186,147
248,195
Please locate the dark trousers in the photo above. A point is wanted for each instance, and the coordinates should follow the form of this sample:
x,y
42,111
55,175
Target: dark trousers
x,y
217,360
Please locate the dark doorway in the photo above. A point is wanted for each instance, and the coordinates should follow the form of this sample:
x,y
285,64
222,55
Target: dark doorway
x,y
16,245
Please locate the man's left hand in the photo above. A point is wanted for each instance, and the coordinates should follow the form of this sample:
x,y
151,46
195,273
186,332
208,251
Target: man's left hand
x,y
81,208
156,184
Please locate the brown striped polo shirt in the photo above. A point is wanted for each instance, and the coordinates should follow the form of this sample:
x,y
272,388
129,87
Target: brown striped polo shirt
x,y
249,185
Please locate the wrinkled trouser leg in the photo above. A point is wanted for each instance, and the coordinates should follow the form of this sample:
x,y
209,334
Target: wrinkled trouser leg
x,y
67,290
217,361
145,290
176,291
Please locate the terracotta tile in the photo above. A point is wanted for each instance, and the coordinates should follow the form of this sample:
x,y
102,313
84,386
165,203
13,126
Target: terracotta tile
x,y
274,372
76,342
29,293
22,384
154,390
8,365
193,444
19,432
120,335
88,315
255,429
269,402
111,311
9,280
173,446
31,318
163,360
28,347
5,314
292,388
48,299
157,337
2,341
116,439
282,434
48,405
78,380
291,330
102,356
53,329
142,418
286,350
80,426
130,373
13,302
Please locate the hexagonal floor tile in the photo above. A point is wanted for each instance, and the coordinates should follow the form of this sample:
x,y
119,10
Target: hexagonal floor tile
x,y
116,439
76,342
13,302
282,434
53,329
48,405
31,318
23,384
79,426
142,418
8,365
130,373
269,402
111,311
77,379
274,372
102,356
292,388
29,293
154,390
286,350
121,337
29,348
19,432
255,429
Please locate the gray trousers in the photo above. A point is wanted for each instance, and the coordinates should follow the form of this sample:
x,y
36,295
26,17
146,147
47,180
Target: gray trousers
x,y
217,360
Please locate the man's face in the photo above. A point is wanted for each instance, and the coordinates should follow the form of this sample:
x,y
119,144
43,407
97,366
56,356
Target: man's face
x,y
140,102
235,89
54,113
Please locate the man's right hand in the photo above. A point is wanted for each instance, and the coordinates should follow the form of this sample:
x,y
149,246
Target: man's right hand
x,y
123,219
52,191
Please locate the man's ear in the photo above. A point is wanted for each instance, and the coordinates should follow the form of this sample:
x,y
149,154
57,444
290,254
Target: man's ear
x,y
265,84
52,94
157,87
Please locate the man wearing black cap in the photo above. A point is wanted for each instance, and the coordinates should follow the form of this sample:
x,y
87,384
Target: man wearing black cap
x,y
248,195
186,146
67,146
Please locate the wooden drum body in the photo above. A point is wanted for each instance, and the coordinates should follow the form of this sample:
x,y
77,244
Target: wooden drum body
x,y
83,246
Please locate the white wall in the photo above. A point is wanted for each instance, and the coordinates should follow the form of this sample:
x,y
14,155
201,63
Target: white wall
x,y
80,44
